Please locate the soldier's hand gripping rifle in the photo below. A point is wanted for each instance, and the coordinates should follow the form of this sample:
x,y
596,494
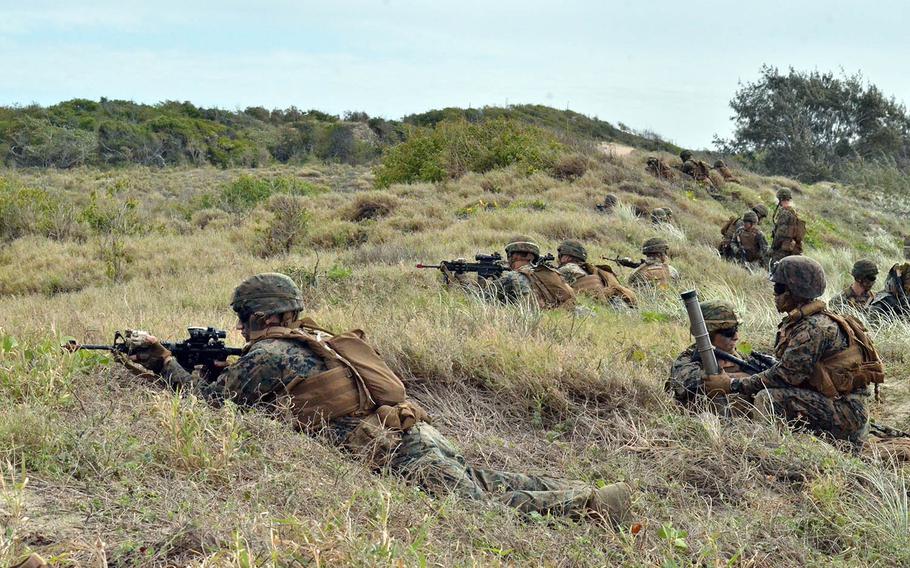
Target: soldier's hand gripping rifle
x,y
204,347
757,362
624,261
700,332
486,266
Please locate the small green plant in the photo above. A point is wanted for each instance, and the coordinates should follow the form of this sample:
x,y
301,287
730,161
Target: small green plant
x,y
339,273
113,220
674,536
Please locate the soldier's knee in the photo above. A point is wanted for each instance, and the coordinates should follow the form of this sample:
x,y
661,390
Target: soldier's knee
x,y
764,403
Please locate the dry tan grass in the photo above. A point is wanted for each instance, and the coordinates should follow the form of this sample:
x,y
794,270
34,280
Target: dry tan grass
x,y
140,476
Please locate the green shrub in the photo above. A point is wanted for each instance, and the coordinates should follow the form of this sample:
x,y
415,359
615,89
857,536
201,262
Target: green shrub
x,y
247,191
289,222
452,149
30,211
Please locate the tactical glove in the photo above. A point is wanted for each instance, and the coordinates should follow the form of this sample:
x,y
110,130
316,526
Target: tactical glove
x,y
150,354
716,385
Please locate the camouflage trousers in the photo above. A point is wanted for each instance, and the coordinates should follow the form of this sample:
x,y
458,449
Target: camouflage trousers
x,y
425,457
845,418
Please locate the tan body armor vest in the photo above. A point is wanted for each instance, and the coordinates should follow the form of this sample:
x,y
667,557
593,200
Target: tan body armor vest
x,y
857,366
357,382
550,290
748,240
602,283
657,274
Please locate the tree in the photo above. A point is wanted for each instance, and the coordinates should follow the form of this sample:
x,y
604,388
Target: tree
x,y
810,124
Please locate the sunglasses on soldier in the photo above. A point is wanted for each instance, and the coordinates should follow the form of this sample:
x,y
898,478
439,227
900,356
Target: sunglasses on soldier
x,y
729,332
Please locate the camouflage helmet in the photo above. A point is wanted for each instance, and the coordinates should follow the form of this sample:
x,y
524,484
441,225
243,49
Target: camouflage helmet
x,y
784,194
803,276
685,155
268,293
668,211
574,249
864,268
611,200
719,315
655,245
720,164
760,210
658,214
652,160
750,217
523,244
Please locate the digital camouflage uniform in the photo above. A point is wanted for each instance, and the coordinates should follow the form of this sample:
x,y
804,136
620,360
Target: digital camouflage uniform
x,y
536,284
686,380
421,454
806,338
728,230
894,300
785,237
784,390
849,299
696,169
512,287
425,456
654,271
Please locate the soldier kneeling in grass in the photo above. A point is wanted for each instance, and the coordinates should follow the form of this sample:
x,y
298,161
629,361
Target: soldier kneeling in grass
x,y
825,361
339,385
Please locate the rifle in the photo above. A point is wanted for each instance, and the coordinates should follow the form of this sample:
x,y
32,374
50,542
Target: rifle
x,y
624,261
700,333
204,346
487,265
545,260
760,362
885,432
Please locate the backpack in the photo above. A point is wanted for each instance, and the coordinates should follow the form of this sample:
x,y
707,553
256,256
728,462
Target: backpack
x,y
748,242
602,282
357,380
549,287
857,366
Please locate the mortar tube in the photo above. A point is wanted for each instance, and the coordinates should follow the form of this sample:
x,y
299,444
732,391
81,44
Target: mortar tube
x,y
700,332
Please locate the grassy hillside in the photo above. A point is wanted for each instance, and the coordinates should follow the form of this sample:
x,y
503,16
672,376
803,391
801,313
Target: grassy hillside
x,y
107,133
97,467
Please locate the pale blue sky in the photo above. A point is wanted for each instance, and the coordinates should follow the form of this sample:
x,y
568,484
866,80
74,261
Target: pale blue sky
x,y
667,66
